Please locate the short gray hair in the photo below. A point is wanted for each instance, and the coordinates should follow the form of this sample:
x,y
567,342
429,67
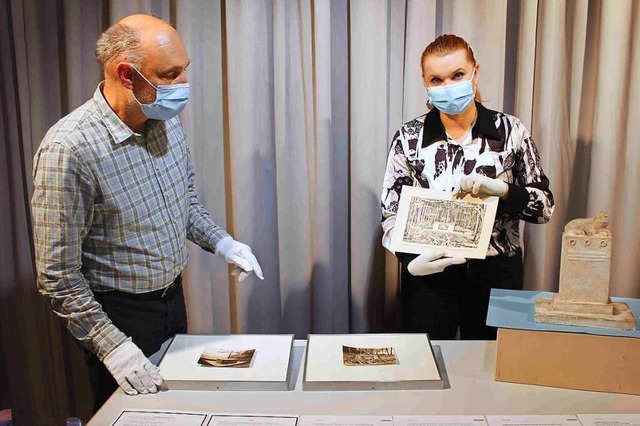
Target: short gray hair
x,y
118,42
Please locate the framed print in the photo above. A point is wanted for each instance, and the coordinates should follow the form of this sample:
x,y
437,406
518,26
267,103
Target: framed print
x,y
371,361
430,219
228,362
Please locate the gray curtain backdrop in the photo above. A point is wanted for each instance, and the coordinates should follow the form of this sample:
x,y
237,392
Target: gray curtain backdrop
x,y
294,104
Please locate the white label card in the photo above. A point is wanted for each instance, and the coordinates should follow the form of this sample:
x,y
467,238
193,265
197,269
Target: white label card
x,y
159,418
235,420
534,420
609,419
346,421
438,420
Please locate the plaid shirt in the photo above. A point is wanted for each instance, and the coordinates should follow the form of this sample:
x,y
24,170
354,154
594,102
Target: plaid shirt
x,y
112,209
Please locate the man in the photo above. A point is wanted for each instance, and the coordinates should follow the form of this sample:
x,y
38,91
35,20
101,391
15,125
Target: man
x,y
114,203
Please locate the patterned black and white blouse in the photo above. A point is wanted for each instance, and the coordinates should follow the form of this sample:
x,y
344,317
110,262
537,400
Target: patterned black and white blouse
x,y
499,146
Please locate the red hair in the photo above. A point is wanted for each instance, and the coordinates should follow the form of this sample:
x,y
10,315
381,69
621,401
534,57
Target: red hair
x,y
445,44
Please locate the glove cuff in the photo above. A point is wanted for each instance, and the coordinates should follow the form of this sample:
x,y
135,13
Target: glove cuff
x,y
516,203
504,187
107,361
224,245
405,258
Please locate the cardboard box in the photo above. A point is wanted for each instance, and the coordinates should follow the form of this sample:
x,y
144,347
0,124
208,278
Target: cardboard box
x,y
569,360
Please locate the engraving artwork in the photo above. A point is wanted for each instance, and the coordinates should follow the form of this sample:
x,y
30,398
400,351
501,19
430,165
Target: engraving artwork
x,y
446,223
216,357
459,226
352,356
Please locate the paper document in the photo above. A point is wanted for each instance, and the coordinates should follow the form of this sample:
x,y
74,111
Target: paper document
x,y
609,419
429,219
159,418
252,420
439,420
346,421
534,420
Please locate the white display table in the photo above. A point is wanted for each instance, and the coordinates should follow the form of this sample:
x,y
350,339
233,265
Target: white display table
x,y
470,367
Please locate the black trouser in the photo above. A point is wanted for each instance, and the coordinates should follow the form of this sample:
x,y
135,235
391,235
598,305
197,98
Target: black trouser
x,y
458,297
148,318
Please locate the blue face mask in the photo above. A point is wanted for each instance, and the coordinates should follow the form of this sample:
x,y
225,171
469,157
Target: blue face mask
x,y
454,98
170,100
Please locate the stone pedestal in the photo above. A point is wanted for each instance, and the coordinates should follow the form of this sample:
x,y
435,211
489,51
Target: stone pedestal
x,y
583,299
585,266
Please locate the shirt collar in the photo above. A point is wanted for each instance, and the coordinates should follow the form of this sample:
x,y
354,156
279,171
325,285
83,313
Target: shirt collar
x,y
119,131
433,129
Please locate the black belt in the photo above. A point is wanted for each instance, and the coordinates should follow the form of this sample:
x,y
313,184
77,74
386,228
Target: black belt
x,y
164,293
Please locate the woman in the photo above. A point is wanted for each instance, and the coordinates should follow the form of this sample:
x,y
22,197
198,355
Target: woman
x,y
461,146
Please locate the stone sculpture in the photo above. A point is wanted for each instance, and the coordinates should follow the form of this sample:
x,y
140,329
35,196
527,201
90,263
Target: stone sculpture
x,y
590,226
585,266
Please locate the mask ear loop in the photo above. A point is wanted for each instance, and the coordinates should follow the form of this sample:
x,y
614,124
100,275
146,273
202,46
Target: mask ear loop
x,y
145,78
475,86
428,104
148,82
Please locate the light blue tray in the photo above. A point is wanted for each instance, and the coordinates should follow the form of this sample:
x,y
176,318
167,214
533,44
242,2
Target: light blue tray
x,y
515,309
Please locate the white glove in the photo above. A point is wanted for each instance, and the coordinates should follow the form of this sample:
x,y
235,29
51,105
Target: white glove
x,y
432,263
480,184
132,370
240,255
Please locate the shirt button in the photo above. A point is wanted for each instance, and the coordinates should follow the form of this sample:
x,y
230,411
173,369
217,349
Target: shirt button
x,y
173,219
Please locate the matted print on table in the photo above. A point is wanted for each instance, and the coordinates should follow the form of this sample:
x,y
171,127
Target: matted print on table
x,y
430,219
370,361
228,362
